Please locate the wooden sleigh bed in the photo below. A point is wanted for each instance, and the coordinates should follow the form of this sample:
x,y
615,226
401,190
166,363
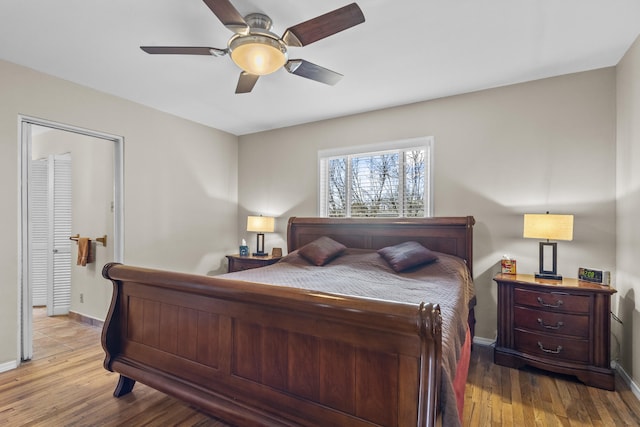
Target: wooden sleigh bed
x,y
254,354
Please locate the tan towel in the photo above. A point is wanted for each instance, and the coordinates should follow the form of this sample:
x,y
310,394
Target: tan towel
x,y
84,250
91,258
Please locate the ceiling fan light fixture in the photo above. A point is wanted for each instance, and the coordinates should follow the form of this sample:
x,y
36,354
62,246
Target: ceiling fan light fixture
x,y
257,54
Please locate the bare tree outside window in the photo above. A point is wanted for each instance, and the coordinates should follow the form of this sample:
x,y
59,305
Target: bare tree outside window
x,y
337,187
414,187
386,184
374,186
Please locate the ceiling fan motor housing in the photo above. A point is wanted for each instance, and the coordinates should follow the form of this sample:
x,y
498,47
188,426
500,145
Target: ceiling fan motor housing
x,y
258,20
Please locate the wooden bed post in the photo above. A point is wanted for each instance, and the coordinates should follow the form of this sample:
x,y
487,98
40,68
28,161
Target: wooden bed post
x,y
124,386
111,334
430,361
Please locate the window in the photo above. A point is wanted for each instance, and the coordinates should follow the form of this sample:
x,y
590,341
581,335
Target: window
x,y
389,180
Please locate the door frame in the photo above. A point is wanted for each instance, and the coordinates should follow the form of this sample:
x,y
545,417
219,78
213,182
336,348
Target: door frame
x,y
25,321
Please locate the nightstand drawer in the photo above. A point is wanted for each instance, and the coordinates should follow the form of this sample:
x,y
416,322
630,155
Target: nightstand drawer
x,y
552,347
240,263
559,301
551,323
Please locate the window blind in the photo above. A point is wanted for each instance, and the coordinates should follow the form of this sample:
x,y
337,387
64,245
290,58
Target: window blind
x,y
383,183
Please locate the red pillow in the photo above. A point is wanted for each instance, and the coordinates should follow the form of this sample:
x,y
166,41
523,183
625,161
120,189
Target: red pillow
x,y
322,250
406,255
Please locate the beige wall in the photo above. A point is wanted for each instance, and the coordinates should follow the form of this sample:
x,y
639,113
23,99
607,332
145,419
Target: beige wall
x,y
180,182
628,206
500,153
532,147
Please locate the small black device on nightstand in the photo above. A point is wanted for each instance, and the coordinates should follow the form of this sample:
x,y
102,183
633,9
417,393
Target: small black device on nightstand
x,y
594,275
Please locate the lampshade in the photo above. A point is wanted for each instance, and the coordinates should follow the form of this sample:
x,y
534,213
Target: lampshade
x,y
260,224
258,54
548,226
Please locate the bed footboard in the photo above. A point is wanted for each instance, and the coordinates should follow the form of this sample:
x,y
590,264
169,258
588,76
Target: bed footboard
x,y
254,354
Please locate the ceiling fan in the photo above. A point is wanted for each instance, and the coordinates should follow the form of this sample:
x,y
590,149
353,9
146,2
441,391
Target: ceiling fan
x,y
258,52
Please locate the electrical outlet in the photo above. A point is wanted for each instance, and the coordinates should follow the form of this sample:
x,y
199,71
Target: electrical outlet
x,y
82,298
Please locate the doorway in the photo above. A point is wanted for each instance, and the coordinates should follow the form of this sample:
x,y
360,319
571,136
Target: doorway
x,y
115,246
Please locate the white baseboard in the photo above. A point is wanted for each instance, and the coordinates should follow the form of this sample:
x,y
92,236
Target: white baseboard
x,y
483,341
635,389
7,366
90,320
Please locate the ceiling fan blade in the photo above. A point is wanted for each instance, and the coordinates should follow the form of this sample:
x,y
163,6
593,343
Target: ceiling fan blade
x,y
323,26
246,82
308,70
228,15
183,50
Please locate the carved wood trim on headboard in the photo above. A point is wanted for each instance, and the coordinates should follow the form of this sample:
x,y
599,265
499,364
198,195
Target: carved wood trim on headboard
x,y
450,235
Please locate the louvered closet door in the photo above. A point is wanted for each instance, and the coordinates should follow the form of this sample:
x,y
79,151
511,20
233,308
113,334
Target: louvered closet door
x,y
39,231
60,215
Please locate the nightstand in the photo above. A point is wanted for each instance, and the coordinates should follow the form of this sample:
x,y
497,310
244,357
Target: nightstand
x,y
562,326
239,263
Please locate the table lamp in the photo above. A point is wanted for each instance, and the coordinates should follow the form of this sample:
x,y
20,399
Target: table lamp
x,y
260,224
549,227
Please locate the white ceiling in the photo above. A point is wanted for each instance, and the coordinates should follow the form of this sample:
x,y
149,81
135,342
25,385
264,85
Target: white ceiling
x,y
406,51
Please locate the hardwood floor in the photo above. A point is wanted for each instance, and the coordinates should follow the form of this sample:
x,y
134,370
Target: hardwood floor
x,y
496,395
66,385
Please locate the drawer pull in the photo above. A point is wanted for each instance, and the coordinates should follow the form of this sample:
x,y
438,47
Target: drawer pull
x,y
544,304
546,350
558,325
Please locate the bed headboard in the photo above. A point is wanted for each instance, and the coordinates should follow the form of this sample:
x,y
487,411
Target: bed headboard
x,y
450,235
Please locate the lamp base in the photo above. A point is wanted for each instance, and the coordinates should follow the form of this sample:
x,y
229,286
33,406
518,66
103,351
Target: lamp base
x,y
548,276
260,254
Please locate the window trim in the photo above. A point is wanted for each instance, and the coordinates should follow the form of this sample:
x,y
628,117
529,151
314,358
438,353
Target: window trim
x,y
427,142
